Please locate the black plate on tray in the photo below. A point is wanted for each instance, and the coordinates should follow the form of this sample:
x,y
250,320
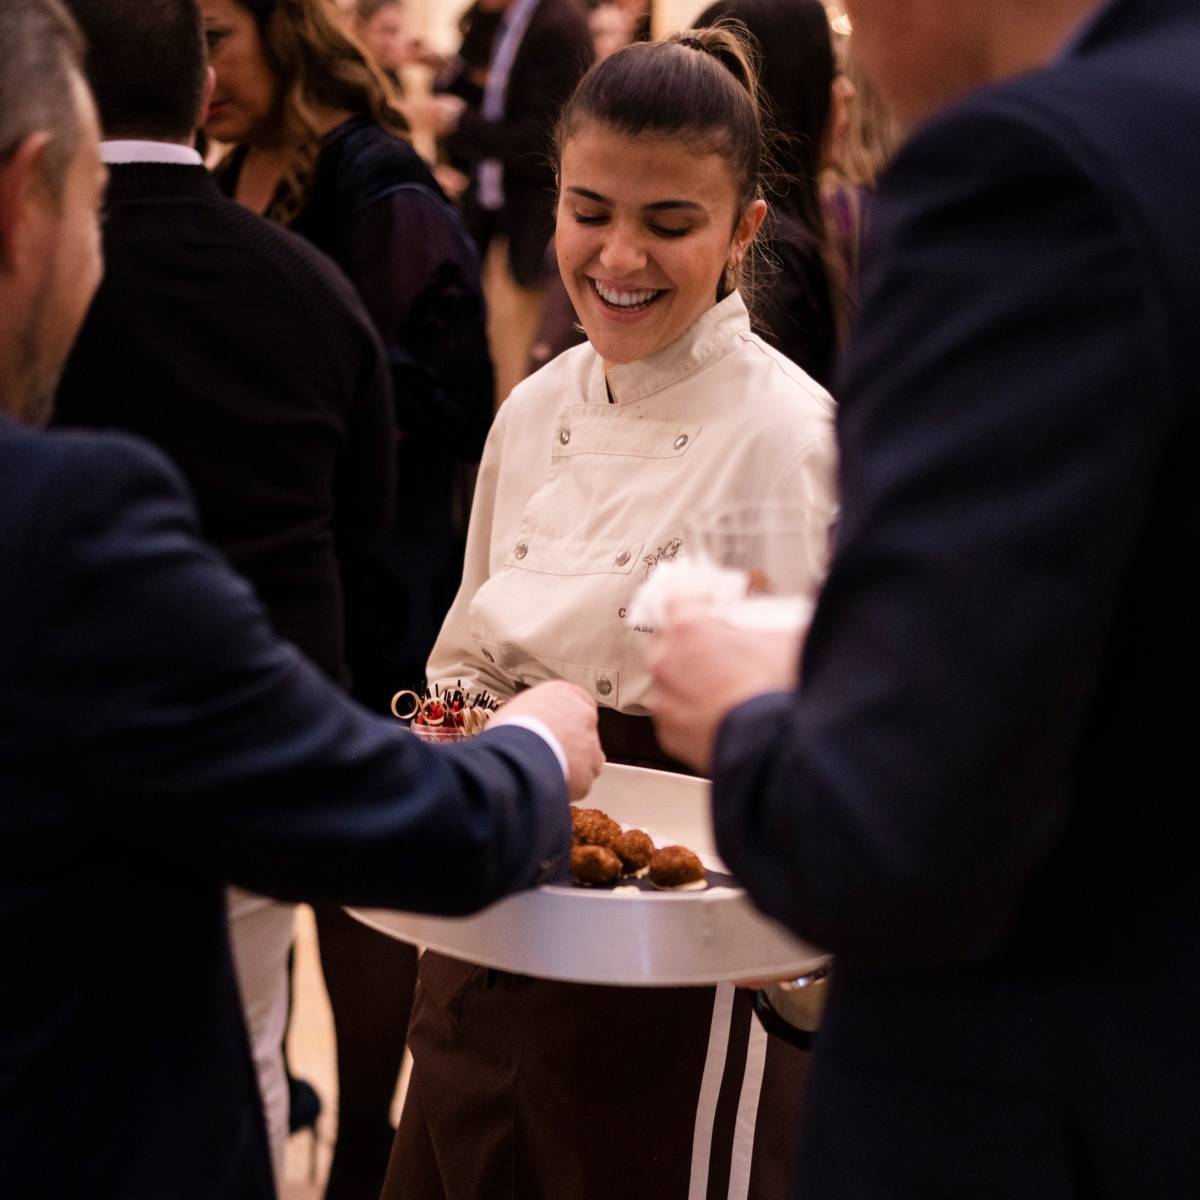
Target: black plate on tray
x,y
712,879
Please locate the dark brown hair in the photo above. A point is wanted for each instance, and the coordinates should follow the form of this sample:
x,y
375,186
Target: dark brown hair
x,y
795,75
316,64
700,87
145,64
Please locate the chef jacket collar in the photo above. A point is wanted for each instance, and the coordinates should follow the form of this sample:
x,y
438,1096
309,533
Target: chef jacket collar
x,y
709,338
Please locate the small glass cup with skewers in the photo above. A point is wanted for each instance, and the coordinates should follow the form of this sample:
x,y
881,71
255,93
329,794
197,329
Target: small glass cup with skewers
x,y
449,715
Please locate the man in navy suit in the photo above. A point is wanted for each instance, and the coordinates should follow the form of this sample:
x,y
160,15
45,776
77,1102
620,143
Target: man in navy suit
x,y
982,795
157,741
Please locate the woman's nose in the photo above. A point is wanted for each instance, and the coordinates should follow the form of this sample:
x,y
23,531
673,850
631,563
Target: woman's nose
x,y
621,254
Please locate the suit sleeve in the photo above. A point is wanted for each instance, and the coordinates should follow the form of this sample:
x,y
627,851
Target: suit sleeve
x,y
194,733
552,59
1000,419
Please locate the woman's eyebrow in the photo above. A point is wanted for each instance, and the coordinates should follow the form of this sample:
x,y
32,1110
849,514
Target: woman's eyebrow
x,y
655,206
588,195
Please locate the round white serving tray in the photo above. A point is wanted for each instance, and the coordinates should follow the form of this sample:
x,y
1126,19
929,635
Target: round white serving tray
x,y
635,938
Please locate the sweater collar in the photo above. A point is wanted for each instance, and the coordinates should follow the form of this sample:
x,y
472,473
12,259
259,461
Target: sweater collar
x,y
711,337
134,180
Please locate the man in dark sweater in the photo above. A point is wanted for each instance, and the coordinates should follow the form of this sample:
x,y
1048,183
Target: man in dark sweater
x,y
157,739
232,345
246,356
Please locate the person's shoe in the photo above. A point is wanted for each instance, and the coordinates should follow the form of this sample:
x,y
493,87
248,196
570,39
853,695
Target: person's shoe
x,y
304,1107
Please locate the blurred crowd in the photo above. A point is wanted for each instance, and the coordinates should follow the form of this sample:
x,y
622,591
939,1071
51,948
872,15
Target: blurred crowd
x,y
830,135
446,347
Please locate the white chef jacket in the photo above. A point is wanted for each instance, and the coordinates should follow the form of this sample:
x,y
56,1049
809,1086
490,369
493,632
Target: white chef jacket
x,y
581,495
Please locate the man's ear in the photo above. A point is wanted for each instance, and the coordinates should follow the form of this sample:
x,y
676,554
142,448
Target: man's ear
x,y
22,191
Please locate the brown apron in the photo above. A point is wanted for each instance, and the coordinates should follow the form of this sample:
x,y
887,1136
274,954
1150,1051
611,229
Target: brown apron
x,y
530,1089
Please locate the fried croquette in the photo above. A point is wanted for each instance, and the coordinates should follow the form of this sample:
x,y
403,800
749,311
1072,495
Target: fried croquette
x,y
675,866
635,849
591,827
595,865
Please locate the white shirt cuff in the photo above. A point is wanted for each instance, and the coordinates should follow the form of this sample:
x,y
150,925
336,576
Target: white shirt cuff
x,y
543,731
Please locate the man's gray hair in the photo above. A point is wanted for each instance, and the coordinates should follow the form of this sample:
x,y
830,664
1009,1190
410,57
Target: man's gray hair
x,y
42,50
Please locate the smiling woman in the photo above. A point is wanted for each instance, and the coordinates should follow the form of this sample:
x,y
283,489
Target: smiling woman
x,y
659,161
643,237
593,470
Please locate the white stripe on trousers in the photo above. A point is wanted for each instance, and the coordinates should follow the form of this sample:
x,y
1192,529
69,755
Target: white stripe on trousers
x,y
710,1090
747,1113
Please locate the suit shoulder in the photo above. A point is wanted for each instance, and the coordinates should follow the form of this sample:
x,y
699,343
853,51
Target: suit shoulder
x,y
108,464
986,128
68,482
1039,124
39,457
1010,180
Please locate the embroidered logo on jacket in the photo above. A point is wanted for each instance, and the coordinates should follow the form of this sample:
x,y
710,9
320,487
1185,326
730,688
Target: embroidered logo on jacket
x,y
663,554
667,553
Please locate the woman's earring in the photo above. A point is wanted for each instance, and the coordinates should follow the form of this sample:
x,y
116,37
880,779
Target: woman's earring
x,y
729,280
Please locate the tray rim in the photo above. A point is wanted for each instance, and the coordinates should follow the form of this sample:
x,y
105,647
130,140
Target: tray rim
x,y
712,915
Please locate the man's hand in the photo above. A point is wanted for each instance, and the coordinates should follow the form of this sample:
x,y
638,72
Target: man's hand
x,y
570,714
702,668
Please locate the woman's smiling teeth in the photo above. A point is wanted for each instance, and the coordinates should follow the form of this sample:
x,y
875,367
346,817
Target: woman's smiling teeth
x,y
617,298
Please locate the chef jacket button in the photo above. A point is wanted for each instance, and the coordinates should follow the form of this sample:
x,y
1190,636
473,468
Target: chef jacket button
x,y
564,436
681,441
489,656
520,550
622,558
604,687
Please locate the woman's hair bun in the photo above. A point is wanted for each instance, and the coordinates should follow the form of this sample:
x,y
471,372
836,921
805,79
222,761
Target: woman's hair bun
x,y
700,86
729,42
